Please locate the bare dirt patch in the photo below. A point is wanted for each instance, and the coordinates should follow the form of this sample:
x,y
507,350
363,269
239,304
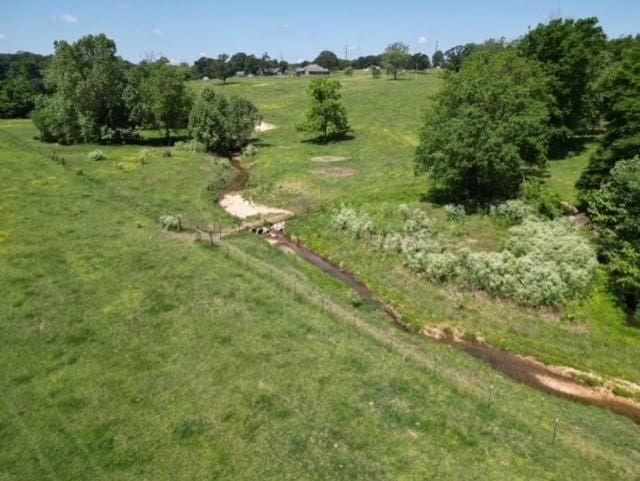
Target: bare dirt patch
x,y
239,207
265,127
329,158
335,172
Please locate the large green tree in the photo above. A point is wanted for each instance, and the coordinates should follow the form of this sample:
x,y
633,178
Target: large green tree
x,y
571,52
488,129
167,102
88,104
395,58
615,211
224,125
325,116
619,91
328,59
438,59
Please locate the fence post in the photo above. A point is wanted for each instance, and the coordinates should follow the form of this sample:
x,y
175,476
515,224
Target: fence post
x,y
210,238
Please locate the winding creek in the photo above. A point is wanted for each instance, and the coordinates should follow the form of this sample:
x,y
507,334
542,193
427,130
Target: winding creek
x,y
553,380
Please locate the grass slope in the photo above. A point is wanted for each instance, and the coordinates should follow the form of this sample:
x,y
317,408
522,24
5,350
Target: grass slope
x,y
128,354
386,116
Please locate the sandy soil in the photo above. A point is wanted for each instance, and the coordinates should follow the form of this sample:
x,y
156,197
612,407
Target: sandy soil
x,y
329,158
335,172
239,207
265,127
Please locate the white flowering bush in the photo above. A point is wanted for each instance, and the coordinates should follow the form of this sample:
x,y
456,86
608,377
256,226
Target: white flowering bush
x,y
358,225
455,212
97,155
171,222
541,263
513,212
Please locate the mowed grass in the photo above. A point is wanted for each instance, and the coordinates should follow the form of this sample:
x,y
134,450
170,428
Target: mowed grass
x,y
386,118
128,353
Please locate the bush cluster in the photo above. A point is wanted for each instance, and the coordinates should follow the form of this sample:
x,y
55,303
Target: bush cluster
x,y
512,212
541,263
349,220
97,155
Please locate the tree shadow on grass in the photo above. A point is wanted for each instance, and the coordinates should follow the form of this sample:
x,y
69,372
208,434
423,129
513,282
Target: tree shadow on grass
x,y
159,141
333,139
571,147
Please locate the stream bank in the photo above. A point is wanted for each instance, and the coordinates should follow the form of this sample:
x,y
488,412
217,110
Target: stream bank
x,y
526,370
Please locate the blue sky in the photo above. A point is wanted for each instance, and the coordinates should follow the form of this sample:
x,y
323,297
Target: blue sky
x,y
185,30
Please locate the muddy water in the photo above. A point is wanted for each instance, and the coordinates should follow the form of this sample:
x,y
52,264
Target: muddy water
x,y
521,369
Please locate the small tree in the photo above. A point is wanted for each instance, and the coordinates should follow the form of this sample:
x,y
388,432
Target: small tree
x,y
615,211
325,115
221,68
395,58
488,129
224,126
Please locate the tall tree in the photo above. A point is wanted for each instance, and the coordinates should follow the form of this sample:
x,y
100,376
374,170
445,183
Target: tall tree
x,y
571,52
395,58
420,61
166,99
328,59
438,59
222,68
89,81
615,210
223,125
619,90
488,129
325,115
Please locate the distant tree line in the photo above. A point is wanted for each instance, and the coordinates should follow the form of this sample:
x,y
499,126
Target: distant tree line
x,y
21,80
96,97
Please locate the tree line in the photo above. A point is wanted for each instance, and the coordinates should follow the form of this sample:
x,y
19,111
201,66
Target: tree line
x,y
507,108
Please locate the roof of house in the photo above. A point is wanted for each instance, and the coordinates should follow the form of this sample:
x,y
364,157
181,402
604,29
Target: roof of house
x,y
312,68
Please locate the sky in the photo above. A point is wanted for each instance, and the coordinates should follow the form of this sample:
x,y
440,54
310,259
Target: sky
x,y
295,30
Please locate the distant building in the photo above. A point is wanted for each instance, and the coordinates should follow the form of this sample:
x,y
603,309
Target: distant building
x,y
205,78
240,73
312,69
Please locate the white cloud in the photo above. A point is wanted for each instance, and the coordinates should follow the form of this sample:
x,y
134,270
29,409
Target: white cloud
x,y
422,40
157,32
66,18
202,54
2,36
173,61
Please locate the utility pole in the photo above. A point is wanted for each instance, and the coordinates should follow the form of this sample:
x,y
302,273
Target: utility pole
x,y
346,52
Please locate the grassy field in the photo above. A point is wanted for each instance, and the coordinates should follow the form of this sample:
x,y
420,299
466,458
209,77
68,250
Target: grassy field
x,y
386,116
131,353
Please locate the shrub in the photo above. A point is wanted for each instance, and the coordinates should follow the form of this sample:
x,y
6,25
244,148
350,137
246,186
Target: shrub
x,y
97,155
544,201
348,219
171,222
513,212
348,71
455,212
144,156
190,146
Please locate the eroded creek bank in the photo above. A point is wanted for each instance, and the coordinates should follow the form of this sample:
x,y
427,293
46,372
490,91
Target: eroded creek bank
x,y
550,379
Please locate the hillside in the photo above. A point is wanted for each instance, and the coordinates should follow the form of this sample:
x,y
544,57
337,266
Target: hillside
x,y
135,353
